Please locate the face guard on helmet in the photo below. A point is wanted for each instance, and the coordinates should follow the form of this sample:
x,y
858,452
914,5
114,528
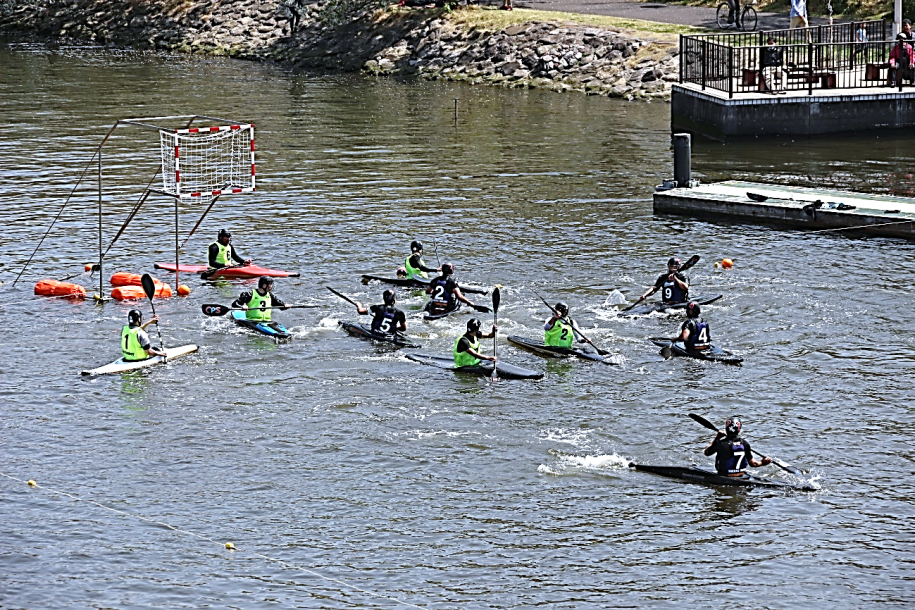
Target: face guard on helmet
x,y
732,427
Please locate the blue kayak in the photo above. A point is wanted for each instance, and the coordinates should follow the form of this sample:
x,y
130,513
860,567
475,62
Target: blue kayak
x,y
271,329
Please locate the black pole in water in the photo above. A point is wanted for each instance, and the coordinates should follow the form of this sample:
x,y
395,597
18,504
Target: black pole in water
x,y
101,287
682,162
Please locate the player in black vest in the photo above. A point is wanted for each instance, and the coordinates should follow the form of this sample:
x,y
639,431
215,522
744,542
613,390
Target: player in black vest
x,y
388,319
732,453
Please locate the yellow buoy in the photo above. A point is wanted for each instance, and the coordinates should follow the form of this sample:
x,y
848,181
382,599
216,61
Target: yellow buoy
x,y
727,263
230,546
184,290
716,264
32,483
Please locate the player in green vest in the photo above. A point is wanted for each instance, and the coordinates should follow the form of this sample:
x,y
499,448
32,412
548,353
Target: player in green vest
x,y
467,347
559,330
259,304
221,253
135,343
414,264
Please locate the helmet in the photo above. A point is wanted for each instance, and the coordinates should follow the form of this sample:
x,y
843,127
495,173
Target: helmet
x,y
674,262
401,272
447,268
732,427
561,308
473,325
134,317
264,281
693,310
389,297
416,246
224,233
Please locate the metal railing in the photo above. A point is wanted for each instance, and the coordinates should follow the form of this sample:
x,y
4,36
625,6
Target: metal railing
x,y
802,59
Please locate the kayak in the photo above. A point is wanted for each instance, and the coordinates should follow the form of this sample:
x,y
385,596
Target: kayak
x,y
712,354
122,366
549,351
484,369
708,477
653,307
271,329
444,314
416,282
364,331
243,272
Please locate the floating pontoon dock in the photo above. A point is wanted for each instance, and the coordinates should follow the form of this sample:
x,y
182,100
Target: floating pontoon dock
x,y
806,209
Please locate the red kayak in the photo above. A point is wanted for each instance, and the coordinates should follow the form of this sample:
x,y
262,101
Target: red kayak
x,y
244,272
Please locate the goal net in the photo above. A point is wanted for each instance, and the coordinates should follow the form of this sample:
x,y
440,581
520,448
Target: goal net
x,y
207,161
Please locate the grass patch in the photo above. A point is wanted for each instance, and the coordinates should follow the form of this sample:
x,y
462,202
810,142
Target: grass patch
x,y
491,19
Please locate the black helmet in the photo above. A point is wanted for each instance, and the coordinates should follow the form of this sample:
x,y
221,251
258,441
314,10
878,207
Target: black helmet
x,y
416,246
224,233
264,281
674,262
473,325
447,268
561,308
389,297
134,317
732,427
693,310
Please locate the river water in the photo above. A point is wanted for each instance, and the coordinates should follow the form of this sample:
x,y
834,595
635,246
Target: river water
x,y
348,476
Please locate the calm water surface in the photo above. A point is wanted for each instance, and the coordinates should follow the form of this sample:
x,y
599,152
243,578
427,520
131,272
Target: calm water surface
x,y
350,477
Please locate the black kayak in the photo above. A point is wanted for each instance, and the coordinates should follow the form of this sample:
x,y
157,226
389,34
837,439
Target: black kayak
x,y
484,369
364,331
712,354
444,314
416,282
708,477
549,351
653,307
274,330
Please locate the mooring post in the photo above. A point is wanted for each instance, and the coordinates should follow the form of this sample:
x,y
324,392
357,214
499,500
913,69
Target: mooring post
x,y
682,162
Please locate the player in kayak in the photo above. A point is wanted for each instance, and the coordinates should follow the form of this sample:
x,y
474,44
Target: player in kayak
x,y
467,347
559,331
388,319
257,303
414,265
732,453
222,254
674,286
135,345
445,292
695,332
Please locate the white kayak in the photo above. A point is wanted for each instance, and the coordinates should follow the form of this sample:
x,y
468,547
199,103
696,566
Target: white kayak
x,y
120,366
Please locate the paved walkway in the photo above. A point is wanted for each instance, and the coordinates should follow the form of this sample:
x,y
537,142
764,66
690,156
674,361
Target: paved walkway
x,y
698,16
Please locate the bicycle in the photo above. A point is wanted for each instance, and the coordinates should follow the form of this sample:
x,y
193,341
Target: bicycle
x,y
746,22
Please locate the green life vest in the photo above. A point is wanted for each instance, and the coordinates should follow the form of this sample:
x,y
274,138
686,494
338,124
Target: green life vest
x,y
130,345
464,358
560,335
256,303
225,253
413,271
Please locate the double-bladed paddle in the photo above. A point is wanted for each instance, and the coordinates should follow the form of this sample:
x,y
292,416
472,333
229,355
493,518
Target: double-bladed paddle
x,y
684,267
212,309
149,287
600,351
496,300
776,461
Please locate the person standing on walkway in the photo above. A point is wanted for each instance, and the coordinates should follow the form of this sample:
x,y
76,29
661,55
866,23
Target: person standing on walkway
x,y
799,14
772,72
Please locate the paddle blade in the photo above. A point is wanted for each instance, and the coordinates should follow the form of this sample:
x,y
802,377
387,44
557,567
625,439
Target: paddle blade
x,y
496,299
786,467
482,309
692,261
667,353
703,421
149,287
211,309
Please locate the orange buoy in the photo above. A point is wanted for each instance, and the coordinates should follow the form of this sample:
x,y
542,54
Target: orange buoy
x,y
132,293
88,267
131,279
727,263
53,288
184,290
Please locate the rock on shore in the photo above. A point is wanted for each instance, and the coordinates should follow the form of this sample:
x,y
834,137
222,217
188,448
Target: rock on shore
x,y
559,57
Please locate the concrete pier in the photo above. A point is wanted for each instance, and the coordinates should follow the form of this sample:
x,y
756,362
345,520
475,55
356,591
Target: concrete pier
x,y
806,209
713,114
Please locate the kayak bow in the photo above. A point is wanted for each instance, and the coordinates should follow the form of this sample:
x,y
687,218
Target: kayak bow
x,y
708,477
484,369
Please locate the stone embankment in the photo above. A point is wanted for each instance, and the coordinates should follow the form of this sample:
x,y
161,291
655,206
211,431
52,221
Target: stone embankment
x,y
558,57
